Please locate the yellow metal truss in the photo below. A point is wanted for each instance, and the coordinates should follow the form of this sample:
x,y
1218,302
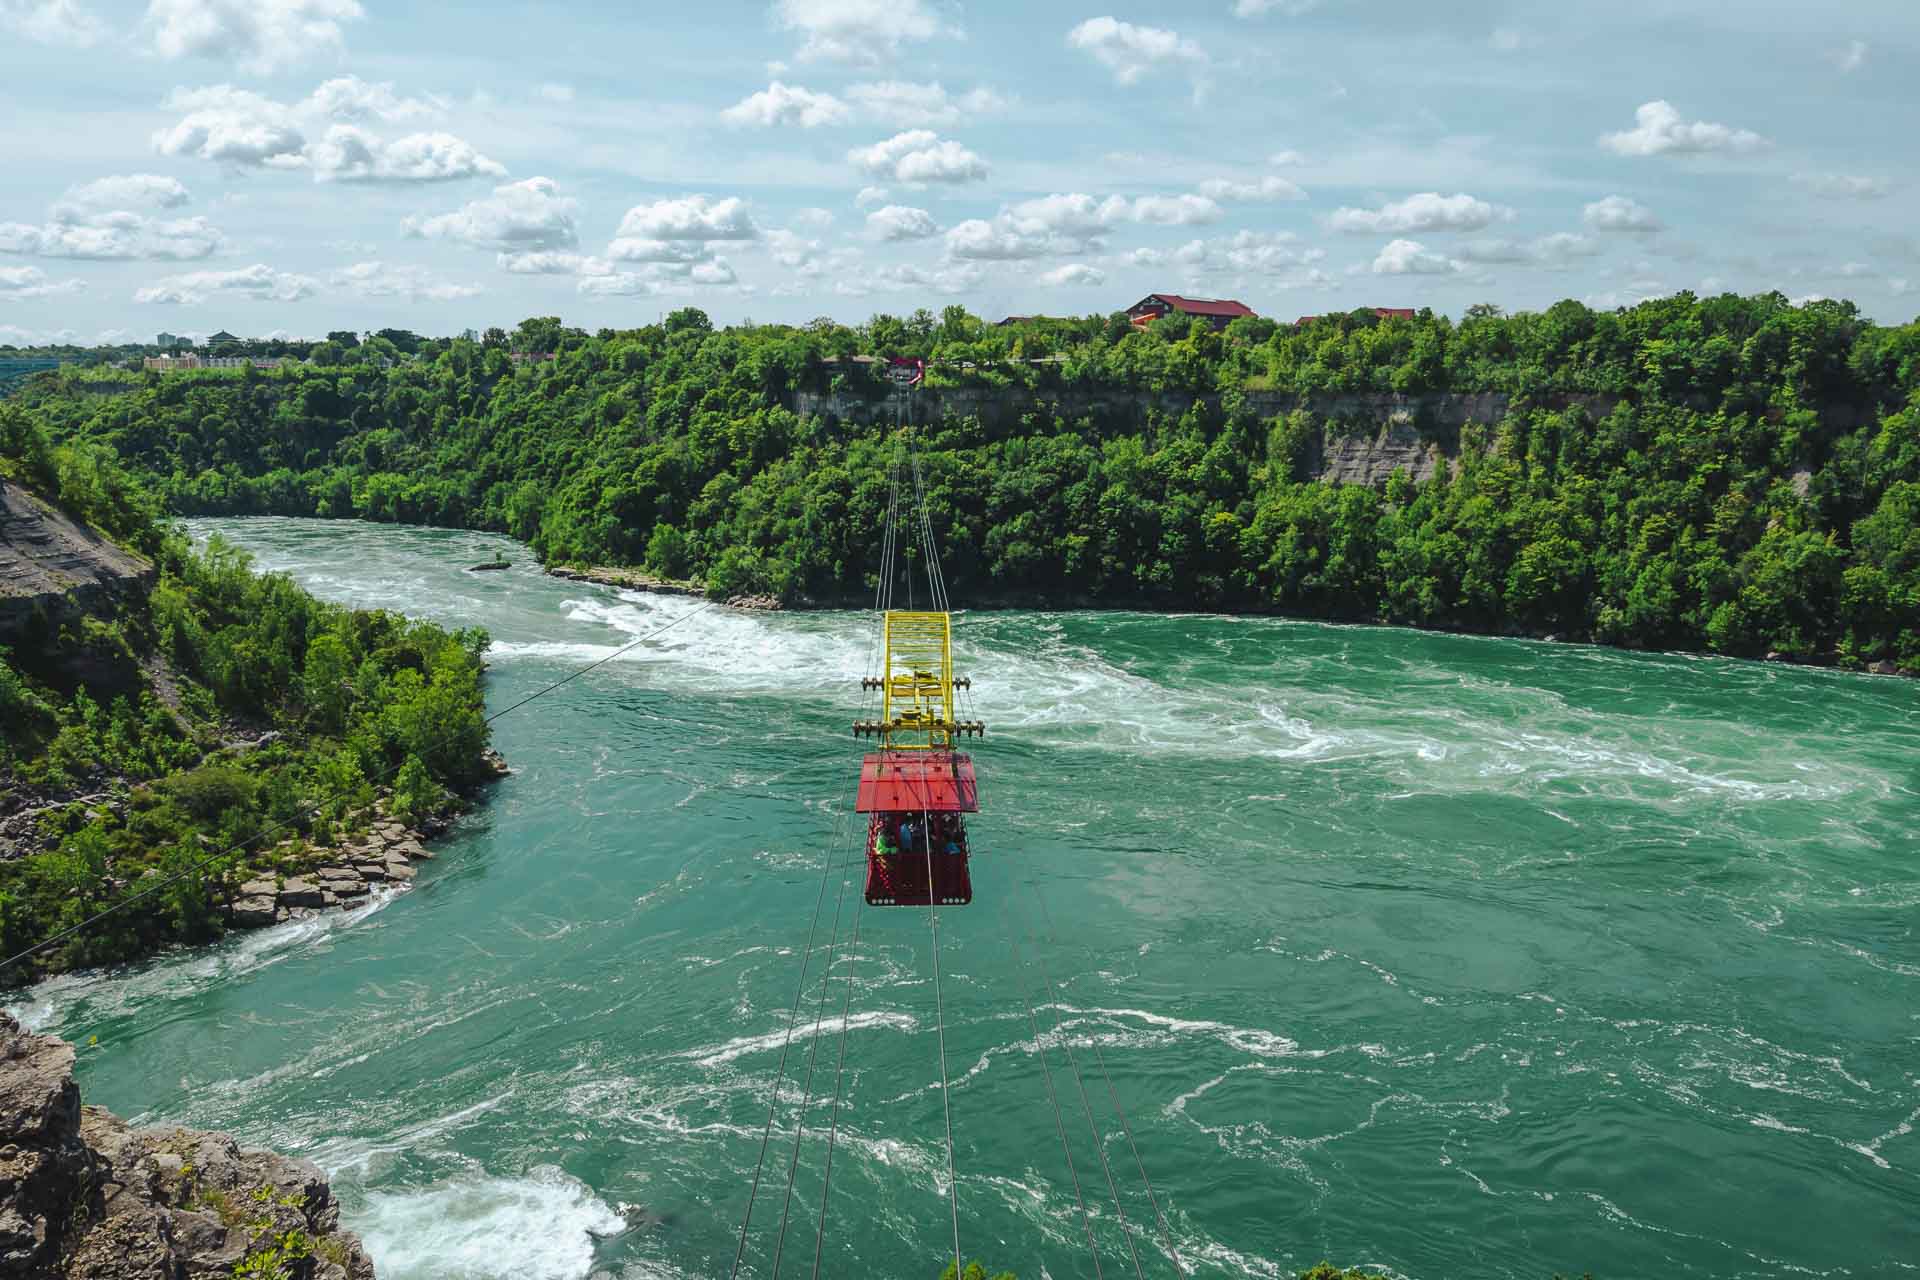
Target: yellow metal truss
x,y
916,686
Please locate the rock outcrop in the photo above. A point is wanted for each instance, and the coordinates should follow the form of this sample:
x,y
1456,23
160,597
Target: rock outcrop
x,y
84,1194
54,566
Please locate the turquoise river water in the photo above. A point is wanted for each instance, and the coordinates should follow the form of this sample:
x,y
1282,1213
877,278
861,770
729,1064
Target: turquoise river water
x,y
1443,955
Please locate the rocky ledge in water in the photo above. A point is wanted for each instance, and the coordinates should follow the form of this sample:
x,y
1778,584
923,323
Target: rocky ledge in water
x,y
341,875
84,1194
635,580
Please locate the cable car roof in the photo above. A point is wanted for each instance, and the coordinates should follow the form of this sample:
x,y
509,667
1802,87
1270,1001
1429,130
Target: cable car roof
x,y
934,781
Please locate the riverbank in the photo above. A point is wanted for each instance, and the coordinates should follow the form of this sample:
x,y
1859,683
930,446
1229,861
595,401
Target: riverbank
x,y
85,1194
638,580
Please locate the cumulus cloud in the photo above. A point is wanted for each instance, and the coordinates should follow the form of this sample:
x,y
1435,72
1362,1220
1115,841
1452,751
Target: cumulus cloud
x,y
55,22
21,283
1268,253
1268,188
903,103
518,217
644,249
694,217
853,281
1558,250
1410,257
351,154
860,32
75,230
1254,8
122,191
242,129
794,251
1068,223
260,36
1171,211
1618,213
901,222
388,280
547,262
259,282
787,104
1073,274
869,195
917,157
1132,52
976,238
1842,186
1659,130
618,284
1428,211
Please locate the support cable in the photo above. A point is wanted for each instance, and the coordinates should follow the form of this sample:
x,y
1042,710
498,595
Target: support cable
x,y
1053,1098
1099,1144
1113,1095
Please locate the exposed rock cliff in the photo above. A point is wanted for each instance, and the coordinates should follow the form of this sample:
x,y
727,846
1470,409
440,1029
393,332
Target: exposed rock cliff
x,y
53,565
82,1194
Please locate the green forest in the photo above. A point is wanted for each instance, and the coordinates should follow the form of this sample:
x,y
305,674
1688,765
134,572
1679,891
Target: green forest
x,y
225,706
1726,474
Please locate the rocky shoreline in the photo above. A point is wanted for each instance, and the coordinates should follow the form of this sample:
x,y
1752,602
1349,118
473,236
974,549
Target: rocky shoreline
x,y
341,875
84,1194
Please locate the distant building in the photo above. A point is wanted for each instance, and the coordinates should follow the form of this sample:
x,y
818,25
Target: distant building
x,y
221,338
1220,312
173,342
1385,313
171,364
1001,324
167,364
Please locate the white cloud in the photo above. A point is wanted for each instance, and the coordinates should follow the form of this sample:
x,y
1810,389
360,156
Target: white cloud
x,y
1286,159
386,280
1255,8
919,156
115,234
546,262
556,92
146,190
903,103
234,127
814,217
715,271
350,154
1410,257
20,283
1660,130
258,281
627,284
1851,58
1073,274
1268,188
787,104
861,32
694,217
643,249
261,36
979,239
351,98
1559,250
1841,186
1173,211
1618,213
869,195
1428,211
243,129
794,252
1131,52
55,22
901,222
850,281
518,217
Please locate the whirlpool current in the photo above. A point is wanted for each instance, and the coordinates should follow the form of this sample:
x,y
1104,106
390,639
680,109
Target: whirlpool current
x,y
1444,955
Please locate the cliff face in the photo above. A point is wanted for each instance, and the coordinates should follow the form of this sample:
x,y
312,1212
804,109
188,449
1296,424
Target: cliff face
x,y
1366,436
53,565
82,1194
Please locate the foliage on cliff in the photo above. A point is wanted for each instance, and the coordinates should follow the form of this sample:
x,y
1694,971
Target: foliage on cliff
x,y
1739,475
152,717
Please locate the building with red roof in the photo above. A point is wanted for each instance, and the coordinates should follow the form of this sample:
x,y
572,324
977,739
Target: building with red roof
x,y
1220,312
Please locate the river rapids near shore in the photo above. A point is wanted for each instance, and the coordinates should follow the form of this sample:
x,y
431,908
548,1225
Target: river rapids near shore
x,y
1445,955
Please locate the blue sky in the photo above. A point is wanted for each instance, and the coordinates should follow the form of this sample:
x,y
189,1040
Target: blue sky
x,y
301,165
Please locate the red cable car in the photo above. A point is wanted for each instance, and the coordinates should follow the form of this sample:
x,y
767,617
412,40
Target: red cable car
x,y
916,787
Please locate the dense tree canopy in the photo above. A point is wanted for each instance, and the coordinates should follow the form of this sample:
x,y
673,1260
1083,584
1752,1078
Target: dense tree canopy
x,y
1735,474
125,733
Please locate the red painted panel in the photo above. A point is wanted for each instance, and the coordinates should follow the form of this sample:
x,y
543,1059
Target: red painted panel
x,y
903,781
